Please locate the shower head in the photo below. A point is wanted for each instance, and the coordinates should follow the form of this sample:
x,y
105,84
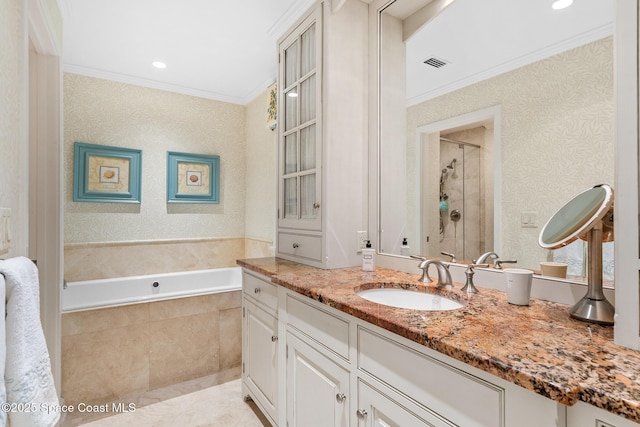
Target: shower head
x,y
450,165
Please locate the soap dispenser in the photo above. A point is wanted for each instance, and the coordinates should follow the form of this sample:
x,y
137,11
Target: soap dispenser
x,y
368,257
404,249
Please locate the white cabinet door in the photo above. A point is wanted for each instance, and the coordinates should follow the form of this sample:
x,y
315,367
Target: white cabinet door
x,y
375,409
582,414
260,357
317,388
300,146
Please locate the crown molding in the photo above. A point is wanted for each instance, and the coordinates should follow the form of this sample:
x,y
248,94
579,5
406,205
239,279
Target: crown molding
x,y
554,49
153,84
290,17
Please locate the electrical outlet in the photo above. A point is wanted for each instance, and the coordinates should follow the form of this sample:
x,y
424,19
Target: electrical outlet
x,y
363,236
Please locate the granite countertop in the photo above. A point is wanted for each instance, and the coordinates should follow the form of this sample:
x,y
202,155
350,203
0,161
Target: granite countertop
x,y
538,347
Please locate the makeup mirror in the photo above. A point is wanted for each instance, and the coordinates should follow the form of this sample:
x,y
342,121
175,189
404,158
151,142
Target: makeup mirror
x,y
588,215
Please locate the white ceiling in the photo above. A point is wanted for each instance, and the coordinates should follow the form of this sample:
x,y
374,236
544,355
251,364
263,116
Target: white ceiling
x,y
226,50
223,50
481,39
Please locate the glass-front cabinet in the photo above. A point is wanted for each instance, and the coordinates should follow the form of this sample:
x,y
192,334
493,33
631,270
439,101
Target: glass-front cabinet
x,y
322,122
300,136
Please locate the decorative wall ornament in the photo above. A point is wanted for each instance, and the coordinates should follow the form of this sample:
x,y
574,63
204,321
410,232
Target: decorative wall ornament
x,y
272,109
193,178
106,174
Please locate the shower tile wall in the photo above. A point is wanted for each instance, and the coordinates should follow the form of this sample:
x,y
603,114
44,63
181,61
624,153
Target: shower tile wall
x,y
110,353
471,205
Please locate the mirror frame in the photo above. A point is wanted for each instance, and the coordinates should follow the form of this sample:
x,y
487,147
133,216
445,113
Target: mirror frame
x,y
424,15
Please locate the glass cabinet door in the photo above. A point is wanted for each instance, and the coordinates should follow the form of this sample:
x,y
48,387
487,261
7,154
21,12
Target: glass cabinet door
x,y
299,161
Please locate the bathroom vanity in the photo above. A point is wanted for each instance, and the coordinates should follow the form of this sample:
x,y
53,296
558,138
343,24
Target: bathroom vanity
x,y
317,354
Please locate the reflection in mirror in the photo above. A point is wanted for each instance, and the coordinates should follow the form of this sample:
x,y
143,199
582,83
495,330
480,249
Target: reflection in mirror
x,y
527,97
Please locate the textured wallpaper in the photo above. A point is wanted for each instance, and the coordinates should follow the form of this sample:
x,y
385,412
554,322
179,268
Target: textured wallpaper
x,y
261,172
11,80
117,114
557,136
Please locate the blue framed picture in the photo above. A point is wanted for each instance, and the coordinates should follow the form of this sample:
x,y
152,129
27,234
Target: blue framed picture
x,y
106,174
193,178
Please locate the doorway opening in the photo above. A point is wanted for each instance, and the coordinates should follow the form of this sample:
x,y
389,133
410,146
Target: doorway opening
x,y
459,186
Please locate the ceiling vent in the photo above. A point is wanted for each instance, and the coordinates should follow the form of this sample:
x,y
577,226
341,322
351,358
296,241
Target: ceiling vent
x,y
435,62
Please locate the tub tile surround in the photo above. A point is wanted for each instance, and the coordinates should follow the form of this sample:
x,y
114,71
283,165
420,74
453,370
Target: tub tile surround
x,y
112,352
538,347
91,261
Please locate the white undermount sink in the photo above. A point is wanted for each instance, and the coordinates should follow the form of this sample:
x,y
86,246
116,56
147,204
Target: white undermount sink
x,y
405,298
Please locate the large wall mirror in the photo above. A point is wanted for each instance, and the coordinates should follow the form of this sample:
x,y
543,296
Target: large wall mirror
x,y
492,114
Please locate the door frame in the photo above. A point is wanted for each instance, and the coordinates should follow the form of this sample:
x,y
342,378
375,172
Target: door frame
x,y
43,167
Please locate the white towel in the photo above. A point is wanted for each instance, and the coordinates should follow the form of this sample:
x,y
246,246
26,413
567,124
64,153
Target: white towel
x,y
28,379
3,355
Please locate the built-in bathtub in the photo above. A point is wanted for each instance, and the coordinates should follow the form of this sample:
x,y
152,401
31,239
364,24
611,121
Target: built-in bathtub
x,y
88,294
125,335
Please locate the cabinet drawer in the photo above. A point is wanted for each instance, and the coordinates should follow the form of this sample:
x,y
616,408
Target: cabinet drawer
x,y
461,398
261,290
300,245
327,329
386,410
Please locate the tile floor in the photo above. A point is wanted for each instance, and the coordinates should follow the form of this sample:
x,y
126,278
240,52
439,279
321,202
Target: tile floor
x,y
213,401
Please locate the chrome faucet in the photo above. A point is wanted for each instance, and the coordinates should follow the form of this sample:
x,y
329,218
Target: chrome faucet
x,y
444,276
482,259
469,287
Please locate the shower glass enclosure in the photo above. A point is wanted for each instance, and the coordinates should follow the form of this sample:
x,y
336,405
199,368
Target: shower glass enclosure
x,y
460,209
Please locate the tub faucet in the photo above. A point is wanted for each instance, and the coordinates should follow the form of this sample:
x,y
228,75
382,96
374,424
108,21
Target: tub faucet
x,y
444,276
482,259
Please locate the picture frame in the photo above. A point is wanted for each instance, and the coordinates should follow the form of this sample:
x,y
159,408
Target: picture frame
x,y
193,178
106,174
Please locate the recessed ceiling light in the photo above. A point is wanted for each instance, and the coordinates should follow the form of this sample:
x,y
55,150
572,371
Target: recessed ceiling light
x,y
159,64
561,4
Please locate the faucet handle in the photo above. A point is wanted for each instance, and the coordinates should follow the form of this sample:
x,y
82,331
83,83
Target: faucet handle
x,y
453,257
499,263
474,265
424,267
469,287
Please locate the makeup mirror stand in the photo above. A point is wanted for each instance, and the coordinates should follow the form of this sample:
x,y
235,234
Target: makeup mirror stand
x,y
594,307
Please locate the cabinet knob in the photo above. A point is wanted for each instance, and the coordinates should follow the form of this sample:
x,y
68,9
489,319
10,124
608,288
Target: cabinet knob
x,y
256,291
296,246
316,205
274,338
340,397
361,413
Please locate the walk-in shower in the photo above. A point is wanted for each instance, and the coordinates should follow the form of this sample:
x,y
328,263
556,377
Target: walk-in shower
x,y
460,209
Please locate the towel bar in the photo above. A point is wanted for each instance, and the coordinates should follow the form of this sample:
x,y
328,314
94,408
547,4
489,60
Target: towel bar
x,y
33,261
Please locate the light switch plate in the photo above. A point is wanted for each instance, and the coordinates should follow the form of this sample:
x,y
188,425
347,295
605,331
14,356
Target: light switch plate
x,y
528,219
